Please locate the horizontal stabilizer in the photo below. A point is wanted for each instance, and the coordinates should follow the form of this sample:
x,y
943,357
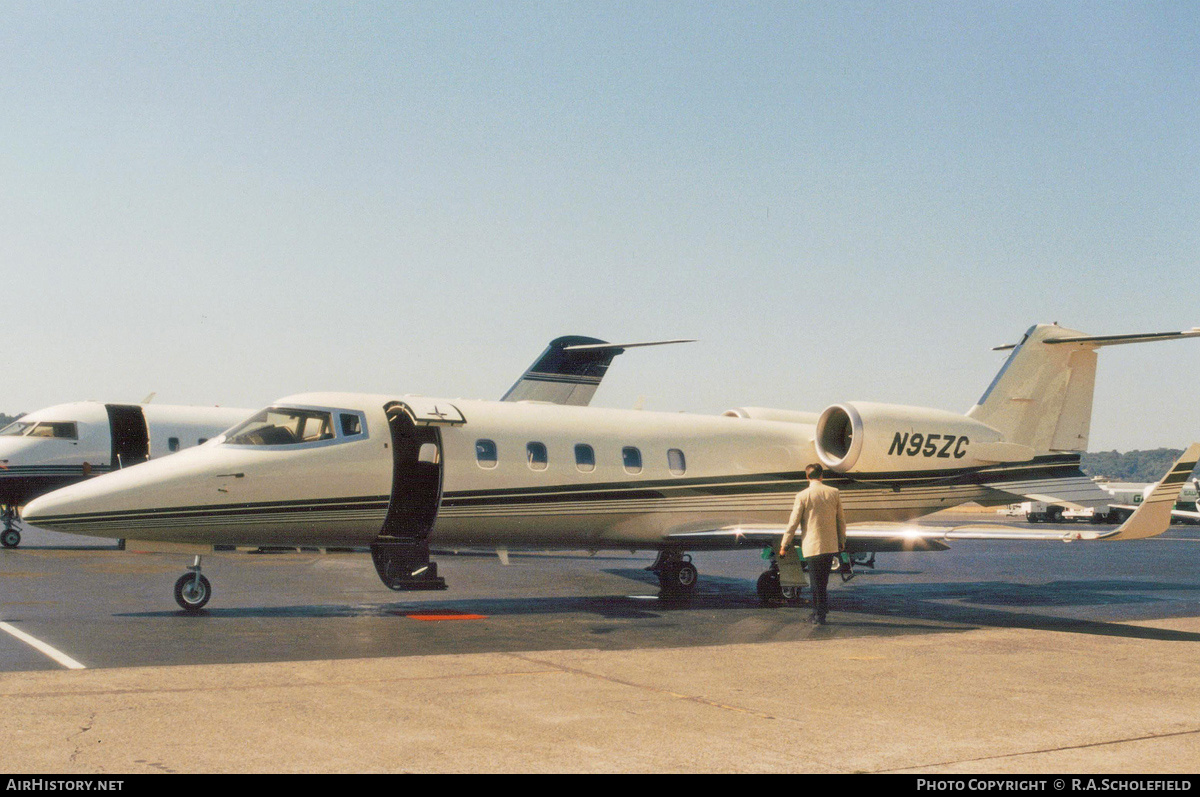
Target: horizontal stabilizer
x,y
622,346
1114,340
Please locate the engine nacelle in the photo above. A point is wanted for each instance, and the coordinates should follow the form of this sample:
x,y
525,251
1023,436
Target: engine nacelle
x,y
860,437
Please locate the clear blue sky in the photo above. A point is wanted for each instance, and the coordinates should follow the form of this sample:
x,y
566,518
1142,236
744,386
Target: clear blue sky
x,y
231,202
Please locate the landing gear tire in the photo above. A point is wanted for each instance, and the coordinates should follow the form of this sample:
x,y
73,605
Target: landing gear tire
x,y
192,591
10,538
772,593
678,579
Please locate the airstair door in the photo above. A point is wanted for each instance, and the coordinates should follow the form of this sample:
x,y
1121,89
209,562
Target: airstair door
x,y
416,476
401,552
130,436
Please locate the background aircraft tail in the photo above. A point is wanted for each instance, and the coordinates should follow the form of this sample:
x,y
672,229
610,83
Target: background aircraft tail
x,y
1042,396
570,370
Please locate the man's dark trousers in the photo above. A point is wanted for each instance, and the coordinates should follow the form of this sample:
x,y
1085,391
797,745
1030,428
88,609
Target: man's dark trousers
x,y
818,569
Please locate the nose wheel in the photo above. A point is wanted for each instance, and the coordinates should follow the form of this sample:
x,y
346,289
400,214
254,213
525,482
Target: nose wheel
x,y
192,590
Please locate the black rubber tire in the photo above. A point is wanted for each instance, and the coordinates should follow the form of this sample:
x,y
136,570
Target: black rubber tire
x,y
769,591
190,596
10,538
678,579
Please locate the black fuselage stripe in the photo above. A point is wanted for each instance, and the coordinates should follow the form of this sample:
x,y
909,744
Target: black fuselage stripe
x,y
612,493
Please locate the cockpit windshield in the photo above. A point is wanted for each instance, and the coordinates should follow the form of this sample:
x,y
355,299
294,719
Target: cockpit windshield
x,y
16,429
278,426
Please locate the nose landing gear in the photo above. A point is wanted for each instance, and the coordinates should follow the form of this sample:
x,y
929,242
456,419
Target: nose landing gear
x,y
10,537
192,590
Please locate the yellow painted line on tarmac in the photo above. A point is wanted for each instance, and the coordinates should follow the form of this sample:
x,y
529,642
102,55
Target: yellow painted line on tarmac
x,y
42,647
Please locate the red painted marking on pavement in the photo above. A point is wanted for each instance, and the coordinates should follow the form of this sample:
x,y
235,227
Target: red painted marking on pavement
x,y
446,616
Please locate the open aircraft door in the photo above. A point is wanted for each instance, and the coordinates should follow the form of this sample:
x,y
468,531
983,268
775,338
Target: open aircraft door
x,y
401,551
130,435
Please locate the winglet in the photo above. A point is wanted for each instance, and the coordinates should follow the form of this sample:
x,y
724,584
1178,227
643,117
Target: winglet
x,y
570,370
1153,517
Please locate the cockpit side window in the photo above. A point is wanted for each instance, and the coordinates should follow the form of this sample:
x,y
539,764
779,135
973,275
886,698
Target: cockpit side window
x,y
351,424
62,430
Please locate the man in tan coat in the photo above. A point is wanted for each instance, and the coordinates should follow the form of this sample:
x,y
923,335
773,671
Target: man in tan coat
x,y
818,514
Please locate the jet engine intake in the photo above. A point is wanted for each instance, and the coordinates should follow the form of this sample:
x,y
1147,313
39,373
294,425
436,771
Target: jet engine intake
x,y
862,437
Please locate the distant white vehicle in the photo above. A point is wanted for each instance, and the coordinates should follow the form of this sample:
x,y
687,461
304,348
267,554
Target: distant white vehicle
x,y
67,443
1127,496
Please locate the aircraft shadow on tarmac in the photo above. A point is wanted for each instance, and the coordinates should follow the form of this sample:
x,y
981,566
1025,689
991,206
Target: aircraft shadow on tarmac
x,y
884,609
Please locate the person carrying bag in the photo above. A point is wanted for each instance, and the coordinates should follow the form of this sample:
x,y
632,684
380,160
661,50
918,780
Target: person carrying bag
x,y
818,514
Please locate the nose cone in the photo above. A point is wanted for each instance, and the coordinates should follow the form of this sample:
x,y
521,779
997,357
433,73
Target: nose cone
x,y
122,503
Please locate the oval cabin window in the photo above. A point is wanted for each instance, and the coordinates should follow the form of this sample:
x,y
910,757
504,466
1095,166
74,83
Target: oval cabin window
x,y
485,454
585,458
536,456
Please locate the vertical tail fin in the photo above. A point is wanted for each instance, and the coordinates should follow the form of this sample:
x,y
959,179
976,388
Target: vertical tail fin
x,y
1042,396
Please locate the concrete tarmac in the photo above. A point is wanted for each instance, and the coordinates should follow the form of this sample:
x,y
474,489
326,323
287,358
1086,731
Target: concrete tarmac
x,y
990,658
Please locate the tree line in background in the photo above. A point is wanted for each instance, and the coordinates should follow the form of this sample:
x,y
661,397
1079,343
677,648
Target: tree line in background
x,y
1130,466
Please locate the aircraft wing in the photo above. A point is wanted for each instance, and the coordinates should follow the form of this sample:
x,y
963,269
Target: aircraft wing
x,y
1151,518
570,370
1075,493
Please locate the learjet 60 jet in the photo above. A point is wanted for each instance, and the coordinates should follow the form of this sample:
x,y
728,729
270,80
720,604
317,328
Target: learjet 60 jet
x,y
397,473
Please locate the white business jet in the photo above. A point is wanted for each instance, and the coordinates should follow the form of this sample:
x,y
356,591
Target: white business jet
x,y
397,472
67,443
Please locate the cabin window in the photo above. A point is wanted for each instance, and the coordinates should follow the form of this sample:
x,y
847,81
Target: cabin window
x,y
485,454
351,424
276,426
585,458
632,458
536,456
61,430
173,444
676,462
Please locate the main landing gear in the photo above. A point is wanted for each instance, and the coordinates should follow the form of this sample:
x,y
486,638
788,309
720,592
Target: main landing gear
x,y
10,537
677,576
192,590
